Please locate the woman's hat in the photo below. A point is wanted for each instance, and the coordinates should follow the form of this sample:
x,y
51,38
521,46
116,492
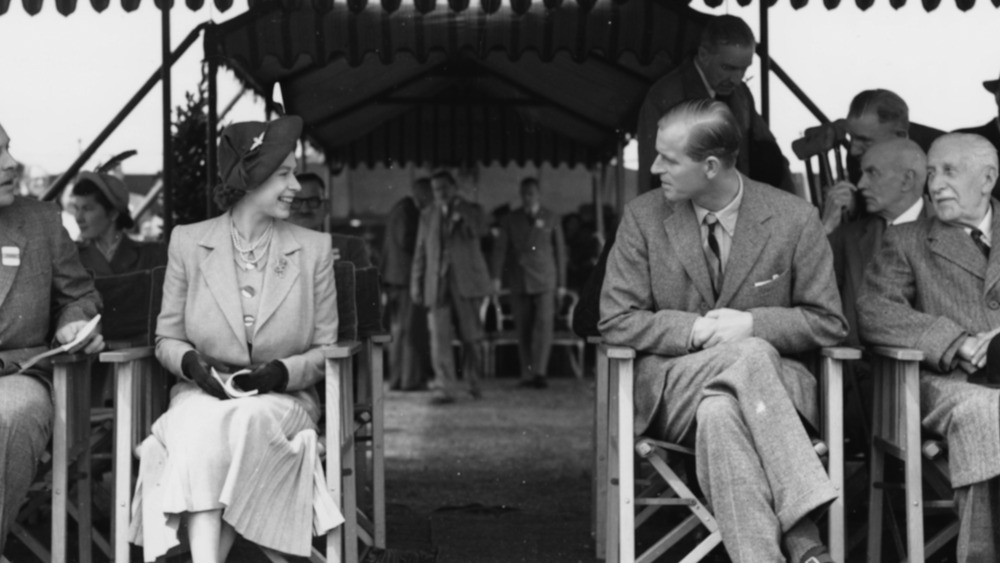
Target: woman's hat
x,y
113,189
250,151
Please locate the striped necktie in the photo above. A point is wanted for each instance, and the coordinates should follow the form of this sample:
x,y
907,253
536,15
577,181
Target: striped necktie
x,y
714,254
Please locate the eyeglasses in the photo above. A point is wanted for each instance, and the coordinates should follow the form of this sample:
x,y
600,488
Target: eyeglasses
x,y
311,203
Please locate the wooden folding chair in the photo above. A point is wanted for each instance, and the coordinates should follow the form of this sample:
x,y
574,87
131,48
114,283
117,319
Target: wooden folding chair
x,y
897,432
623,503
822,144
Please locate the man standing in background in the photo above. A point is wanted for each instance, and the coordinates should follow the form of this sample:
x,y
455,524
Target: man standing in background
x,y
530,260
409,361
450,278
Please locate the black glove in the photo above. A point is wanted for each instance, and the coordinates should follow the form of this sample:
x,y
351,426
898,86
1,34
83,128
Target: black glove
x,y
197,368
265,378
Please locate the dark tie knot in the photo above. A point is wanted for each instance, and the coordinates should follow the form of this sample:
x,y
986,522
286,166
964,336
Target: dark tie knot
x,y
980,239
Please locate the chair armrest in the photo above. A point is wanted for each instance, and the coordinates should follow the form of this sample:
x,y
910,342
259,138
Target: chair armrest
x,y
595,340
381,338
71,358
341,350
841,353
128,354
899,354
620,352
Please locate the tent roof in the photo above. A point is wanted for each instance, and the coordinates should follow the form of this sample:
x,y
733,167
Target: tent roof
x,y
460,83
929,5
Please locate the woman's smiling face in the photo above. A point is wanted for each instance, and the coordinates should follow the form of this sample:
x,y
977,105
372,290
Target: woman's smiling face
x,y
274,196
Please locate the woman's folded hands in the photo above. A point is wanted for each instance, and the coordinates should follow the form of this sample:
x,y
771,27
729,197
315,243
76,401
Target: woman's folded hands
x,y
266,378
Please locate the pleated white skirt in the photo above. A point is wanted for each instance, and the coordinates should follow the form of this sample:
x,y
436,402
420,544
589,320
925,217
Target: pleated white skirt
x,y
254,458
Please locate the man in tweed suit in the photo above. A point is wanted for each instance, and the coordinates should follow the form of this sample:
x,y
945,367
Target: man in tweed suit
x,y
44,292
530,258
933,286
716,281
450,278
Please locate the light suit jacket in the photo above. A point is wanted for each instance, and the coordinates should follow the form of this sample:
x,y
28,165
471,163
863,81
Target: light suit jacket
x,y
202,309
780,270
47,289
450,244
927,288
530,255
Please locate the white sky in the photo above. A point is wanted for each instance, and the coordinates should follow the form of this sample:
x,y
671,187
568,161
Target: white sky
x,y
64,78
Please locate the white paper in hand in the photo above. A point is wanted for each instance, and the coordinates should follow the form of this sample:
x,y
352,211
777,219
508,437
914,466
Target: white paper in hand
x,y
229,385
81,336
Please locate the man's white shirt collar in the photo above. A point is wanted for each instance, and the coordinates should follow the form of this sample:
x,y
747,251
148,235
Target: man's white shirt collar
x,y
728,215
708,87
910,215
985,226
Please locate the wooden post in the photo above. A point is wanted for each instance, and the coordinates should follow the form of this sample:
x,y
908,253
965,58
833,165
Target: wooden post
x,y
212,126
168,149
765,64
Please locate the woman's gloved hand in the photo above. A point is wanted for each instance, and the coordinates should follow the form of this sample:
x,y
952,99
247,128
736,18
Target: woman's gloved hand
x,y
198,368
265,378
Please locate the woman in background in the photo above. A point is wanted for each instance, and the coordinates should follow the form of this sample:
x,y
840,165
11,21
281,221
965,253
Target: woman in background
x,y
100,203
245,290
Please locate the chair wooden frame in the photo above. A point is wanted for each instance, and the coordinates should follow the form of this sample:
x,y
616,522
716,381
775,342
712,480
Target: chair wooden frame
x,y
896,431
134,414
616,478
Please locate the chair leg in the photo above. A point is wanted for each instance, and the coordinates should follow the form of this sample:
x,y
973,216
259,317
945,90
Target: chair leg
x,y
337,372
348,475
60,448
876,477
621,378
378,445
122,496
833,434
914,464
612,513
601,417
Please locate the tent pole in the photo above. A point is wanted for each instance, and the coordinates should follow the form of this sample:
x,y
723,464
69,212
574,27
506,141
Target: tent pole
x,y
765,64
212,126
595,180
168,187
620,177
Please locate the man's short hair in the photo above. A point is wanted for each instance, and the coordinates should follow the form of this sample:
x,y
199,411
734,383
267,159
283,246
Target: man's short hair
x,y
886,105
713,131
976,149
906,154
528,182
310,177
727,30
444,175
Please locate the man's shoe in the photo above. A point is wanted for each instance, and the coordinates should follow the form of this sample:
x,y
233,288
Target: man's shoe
x,y
476,394
526,383
539,382
442,400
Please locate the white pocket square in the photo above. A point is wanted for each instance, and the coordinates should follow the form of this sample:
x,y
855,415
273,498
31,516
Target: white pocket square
x,y
765,282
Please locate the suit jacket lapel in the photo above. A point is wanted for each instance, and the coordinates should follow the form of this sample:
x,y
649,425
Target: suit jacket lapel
x,y
10,235
993,265
219,271
749,241
684,235
281,273
951,243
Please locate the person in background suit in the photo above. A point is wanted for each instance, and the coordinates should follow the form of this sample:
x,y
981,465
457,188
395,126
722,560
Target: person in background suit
x,y
310,210
716,71
409,358
717,281
243,291
991,129
44,292
451,279
101,209
874,116
893,175
933,286
530,259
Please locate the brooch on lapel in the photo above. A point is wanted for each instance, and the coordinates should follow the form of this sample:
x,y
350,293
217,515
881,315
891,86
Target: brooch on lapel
x,y
540,223
280,267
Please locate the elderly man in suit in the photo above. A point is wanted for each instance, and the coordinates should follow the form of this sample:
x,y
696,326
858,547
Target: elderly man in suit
x,y
450,278
933,286
409,360
893,175
716,71
44,291
717,281
991,129
310,209
530,259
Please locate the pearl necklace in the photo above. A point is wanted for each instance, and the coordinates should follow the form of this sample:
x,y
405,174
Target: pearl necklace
x,y
250,256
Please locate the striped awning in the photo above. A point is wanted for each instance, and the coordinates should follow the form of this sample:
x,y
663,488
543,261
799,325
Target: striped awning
x,y
460,82
929,5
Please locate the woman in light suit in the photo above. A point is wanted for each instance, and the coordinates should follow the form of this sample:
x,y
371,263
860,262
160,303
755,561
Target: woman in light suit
x,y
245,290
